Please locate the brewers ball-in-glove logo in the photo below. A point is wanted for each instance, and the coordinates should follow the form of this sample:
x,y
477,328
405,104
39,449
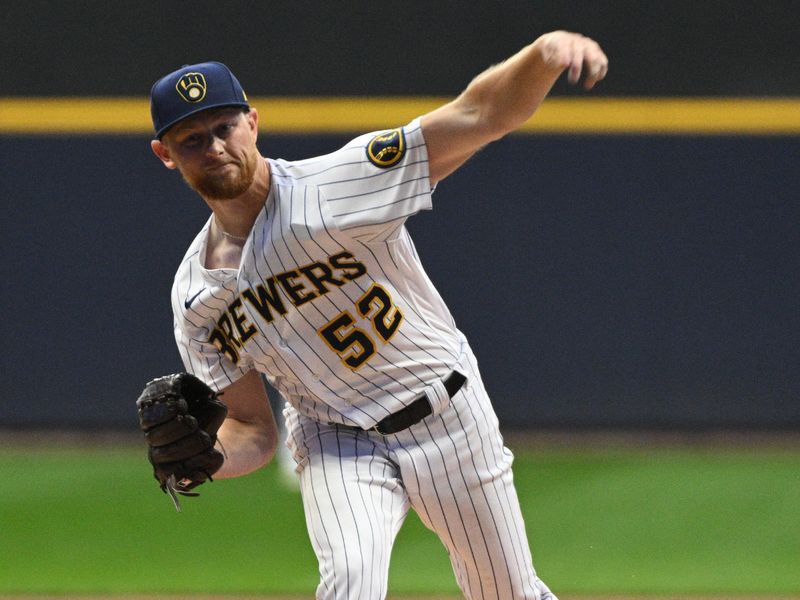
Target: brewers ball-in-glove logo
x,y
387,149
192,87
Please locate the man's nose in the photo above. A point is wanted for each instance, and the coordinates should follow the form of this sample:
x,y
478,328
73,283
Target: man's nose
x,y
215,146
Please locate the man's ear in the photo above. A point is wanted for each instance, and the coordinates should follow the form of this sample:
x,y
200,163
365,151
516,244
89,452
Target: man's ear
x,y
252,120
160,149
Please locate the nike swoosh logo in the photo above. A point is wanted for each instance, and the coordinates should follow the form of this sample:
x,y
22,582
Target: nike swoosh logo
x,y
188,302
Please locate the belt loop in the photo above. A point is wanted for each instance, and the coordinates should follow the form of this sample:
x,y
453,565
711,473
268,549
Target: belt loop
x,y
435,398
439,395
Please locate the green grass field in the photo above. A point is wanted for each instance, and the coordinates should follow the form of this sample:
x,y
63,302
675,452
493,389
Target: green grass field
x,y
722,522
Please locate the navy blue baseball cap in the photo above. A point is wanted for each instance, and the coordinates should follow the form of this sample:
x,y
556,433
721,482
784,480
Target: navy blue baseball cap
x,y
191,89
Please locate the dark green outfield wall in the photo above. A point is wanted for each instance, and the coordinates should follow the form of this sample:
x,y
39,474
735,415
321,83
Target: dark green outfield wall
x,y
416,47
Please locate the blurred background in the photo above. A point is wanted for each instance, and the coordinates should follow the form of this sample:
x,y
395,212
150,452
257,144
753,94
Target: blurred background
x,y
607,278
628,263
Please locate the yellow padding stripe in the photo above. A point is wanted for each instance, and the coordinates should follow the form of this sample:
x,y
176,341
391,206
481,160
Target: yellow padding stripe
x,y
303,115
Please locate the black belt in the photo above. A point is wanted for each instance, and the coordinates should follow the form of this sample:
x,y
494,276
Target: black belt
x,y
418,409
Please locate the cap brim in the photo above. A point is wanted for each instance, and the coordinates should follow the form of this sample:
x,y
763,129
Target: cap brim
x,y
160,133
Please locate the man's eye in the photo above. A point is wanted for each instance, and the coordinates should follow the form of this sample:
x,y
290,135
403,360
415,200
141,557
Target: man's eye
x,y
191,141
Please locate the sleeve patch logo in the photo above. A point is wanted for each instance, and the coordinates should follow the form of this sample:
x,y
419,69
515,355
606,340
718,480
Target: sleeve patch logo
x,y
387,149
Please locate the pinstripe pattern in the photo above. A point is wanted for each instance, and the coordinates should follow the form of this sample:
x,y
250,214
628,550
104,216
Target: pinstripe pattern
x,y
451,468
320,208
331,303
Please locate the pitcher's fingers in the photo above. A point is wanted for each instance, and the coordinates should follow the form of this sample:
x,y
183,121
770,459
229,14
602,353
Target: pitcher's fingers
x,y
576,63
595,73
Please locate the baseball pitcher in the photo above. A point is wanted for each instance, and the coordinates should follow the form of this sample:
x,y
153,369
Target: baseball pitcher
x,y
305,274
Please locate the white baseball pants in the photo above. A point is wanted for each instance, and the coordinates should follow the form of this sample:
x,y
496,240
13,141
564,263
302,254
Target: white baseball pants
x,y
451,468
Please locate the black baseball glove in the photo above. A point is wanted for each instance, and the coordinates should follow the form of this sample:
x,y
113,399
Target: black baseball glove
x,y
180,416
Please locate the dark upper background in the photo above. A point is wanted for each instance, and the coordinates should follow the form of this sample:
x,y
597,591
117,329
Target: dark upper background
x,y
621,281
409,47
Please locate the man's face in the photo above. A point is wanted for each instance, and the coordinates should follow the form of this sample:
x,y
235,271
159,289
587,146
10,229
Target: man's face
x,y
215,151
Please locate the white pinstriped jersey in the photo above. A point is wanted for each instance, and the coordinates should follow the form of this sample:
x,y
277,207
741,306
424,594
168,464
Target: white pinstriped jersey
x,y
330,300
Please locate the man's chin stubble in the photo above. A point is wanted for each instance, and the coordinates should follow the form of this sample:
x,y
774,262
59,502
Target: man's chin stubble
x,y
220,189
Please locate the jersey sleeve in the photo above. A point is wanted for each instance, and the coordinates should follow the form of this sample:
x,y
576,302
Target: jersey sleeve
x,y
204,360
374,183
197,305
389,184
